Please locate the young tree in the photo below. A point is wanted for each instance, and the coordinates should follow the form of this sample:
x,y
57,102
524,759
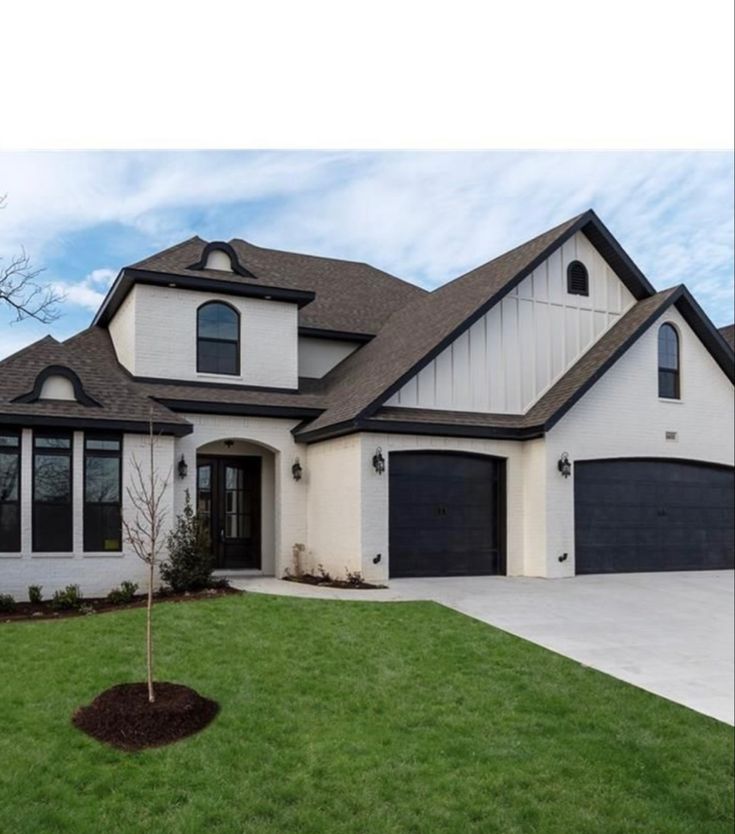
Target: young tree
x,y
20,290
144,532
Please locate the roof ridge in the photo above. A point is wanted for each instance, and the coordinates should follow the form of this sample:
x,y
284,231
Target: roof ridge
x,y
167,250
47,337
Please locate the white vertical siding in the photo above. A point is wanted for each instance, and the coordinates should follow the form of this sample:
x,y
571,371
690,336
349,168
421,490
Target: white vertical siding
x,y
510,357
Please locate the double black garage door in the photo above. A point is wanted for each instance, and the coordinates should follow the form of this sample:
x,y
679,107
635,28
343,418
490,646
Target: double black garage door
x,y
653,515
446,511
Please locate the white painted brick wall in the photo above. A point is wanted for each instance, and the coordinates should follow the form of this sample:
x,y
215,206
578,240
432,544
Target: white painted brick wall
x,y
622,416
95,573
164,327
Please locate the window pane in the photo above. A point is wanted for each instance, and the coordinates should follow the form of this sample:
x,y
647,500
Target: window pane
x,y
52,478
217,321
102,527
668,347
9,477
9,528
668,384
102,480
52,528
11,440
105,444
52,442
217,357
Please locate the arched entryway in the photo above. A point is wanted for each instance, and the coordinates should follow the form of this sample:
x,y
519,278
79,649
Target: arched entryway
x,y
235,496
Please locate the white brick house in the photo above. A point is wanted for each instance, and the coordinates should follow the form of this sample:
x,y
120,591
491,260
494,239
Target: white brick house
x,y
547,413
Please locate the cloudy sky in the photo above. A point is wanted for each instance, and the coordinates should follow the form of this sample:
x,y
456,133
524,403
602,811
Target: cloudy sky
x,y
424,216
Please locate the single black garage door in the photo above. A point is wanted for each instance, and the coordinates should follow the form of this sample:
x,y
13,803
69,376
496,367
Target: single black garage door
x,y
445,514
651,515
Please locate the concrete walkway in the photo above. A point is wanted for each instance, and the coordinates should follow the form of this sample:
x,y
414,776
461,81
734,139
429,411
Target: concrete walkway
x,y
669,633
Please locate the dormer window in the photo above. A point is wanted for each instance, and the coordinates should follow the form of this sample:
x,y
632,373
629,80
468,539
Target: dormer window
x,y
218,339
57,387
578,279
57,382
218,259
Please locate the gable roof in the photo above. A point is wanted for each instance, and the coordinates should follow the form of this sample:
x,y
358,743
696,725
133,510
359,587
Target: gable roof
x,y
417,333
552,406
111,399
335,295
728,334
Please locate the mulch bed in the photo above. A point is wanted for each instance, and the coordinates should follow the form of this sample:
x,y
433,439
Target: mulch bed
x,y
100,605
123,717
327,581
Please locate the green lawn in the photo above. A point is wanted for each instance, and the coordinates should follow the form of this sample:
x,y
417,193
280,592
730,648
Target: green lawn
x,y
348,717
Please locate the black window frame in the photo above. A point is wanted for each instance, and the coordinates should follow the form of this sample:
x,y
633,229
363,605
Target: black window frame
x,y
91,510
572,287
209,340
12,543
64,533
669,376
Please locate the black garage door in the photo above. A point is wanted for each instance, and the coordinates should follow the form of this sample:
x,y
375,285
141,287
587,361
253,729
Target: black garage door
x,y
445,514
651,515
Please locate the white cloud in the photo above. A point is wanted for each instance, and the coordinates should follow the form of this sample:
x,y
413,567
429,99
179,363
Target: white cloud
x,y
90,291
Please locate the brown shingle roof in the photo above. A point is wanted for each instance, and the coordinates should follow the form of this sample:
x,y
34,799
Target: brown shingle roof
x,y
728,334
350,296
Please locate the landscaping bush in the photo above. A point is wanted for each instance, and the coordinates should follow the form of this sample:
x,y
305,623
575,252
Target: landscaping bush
x,y
189,566
124,594
68,599
7,603
34,594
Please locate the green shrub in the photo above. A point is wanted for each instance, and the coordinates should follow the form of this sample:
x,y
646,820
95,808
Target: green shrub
x,y
69,599
189,565
34,594
122,595
7,603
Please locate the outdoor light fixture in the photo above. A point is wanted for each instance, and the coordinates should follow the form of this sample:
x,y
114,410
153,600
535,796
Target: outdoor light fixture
x,y
379,461
564,465
183,467
296,470
229,443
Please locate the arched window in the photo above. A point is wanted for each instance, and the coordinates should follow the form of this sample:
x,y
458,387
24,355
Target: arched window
x,y
668,362
218,339
578,279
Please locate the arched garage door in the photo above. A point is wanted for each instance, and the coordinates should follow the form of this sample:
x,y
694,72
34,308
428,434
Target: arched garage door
x,y
653,515
445,512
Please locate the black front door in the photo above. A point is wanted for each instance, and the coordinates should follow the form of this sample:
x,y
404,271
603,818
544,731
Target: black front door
x,y
228,502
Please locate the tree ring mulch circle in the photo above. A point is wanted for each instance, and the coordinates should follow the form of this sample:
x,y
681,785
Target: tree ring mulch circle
x,y
123,717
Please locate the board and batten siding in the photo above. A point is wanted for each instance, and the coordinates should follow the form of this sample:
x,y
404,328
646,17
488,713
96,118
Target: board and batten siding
x,y
508,358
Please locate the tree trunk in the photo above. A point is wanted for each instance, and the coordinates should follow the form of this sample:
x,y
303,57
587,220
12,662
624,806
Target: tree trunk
x,y
149,635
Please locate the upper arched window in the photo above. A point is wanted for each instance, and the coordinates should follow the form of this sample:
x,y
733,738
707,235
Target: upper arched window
x,y
668,362
218,339
578,279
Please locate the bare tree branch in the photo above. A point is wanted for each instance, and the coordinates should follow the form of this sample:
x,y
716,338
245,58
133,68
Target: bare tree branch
x,y
20,290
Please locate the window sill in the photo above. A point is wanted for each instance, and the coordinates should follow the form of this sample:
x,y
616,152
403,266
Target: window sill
x,y
35,555
14,555
103,554
220,377
670,400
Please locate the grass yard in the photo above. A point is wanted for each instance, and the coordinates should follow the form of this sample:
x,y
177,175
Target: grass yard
x,y
348,717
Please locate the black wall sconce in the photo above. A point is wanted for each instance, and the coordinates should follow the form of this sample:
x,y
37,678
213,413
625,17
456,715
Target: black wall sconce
x,y
564,465
296,470
182,467
229,443
379,461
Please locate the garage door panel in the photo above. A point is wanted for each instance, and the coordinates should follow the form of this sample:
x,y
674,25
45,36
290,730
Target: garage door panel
x,y
444,514
648,515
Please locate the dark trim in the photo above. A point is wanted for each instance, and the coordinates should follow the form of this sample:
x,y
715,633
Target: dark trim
x,y
215,386
588,223
236,342
709,335
247,409
129,277
342,335
100,424
415,427
221,246
13,544
657,459
57,370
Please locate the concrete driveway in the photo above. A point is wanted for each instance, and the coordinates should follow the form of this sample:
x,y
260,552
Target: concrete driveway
x,y
669,633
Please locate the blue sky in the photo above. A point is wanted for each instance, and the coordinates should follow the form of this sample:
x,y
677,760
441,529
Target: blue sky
x,y
424,216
